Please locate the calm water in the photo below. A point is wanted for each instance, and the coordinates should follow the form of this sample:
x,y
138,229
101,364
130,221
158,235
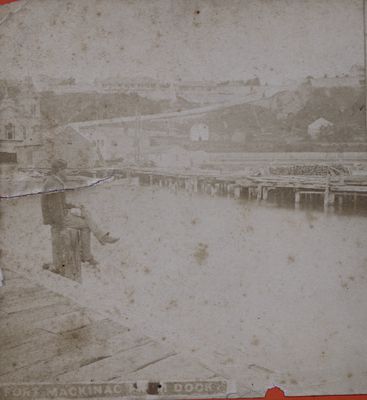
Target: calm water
x,y
234,283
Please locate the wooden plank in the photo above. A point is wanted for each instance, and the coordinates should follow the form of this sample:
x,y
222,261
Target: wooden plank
x,y
16,328
65,362
166,369
44,345
16,332
125,341
97,331
16,282
15,292
67,322
119,365
12,304
48,370
40,347
40,313
10,274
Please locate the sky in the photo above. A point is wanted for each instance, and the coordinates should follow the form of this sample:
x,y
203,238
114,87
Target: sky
x,y
170,40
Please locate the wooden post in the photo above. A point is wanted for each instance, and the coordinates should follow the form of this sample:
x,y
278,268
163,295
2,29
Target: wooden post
x,y
175,186
212,190
259,192
281,195
297,197
265,193
237,192
66,252
128,175
329,198
226,189
136,180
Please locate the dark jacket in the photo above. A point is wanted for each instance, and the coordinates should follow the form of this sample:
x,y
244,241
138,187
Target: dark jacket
x,y
53,205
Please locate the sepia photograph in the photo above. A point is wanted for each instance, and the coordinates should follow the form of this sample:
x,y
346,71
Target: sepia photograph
x,y
183,198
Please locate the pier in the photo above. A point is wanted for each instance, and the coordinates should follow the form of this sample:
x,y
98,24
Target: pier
x,y
335,190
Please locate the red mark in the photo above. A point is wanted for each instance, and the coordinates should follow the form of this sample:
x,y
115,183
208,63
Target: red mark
x,y
2,2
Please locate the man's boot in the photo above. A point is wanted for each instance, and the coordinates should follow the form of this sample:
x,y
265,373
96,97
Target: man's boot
x,y
108,239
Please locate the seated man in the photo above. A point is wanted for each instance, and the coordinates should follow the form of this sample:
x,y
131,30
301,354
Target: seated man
x,y
57,212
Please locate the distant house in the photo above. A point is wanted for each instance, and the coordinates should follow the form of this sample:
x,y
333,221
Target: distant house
x,y
19,121
32,155
11,130
320,127
199,132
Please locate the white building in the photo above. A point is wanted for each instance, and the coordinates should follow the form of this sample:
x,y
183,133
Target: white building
x,y
319,127
19,121
199,132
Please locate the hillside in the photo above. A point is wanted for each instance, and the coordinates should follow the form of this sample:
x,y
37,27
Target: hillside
x,y
239,122
343,106
60,109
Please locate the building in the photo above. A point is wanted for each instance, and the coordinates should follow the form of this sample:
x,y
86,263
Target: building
x,y
32,156
20,119
199,132
11,130
320,127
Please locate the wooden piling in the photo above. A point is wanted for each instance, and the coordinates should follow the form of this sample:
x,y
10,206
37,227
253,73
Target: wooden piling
x,y
297,197
265,193
212,190
329,198
259,193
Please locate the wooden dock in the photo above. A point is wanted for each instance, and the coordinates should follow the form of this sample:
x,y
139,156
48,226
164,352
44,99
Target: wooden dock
x,y
333,189
46,337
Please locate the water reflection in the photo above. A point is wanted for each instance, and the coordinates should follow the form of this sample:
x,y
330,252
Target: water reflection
x,y
311,200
